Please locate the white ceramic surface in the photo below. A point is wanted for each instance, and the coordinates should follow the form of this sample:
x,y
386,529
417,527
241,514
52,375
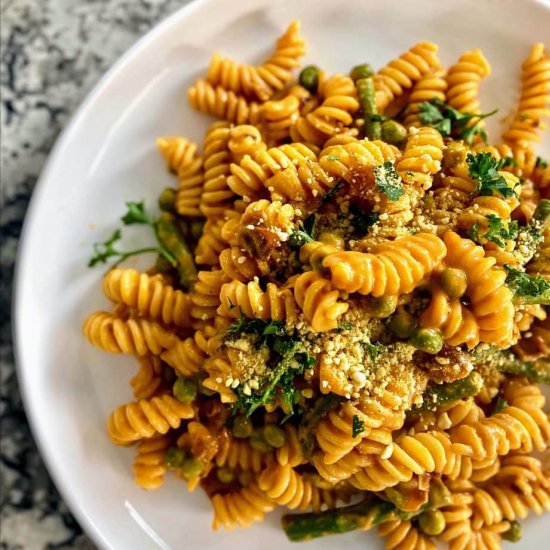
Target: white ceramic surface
x,y
107,156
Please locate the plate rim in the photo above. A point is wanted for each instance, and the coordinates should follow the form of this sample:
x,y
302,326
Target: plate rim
x,y
87,523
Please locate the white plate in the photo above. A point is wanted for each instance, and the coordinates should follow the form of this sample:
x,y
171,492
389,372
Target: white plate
x,y
107,156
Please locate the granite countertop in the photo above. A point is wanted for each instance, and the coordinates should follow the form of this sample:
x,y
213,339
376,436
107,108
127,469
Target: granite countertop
x,y
53,52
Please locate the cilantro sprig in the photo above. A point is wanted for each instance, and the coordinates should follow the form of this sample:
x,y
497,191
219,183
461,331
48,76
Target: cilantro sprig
x,y
451,122
107,250
497,231
483,168
388,181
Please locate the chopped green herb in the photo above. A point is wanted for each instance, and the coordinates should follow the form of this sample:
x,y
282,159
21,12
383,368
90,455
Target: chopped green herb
x,y
331,193
357,427
362,221
473,232
304,233
524,284
345,326
136,214
541,163
448,121
500,404
483,168
374,350
333,157
504,162
496,232
388,181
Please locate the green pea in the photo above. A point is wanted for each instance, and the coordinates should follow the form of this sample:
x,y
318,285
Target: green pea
x,y
242,427
364,70
185,390
225,474
542,212
174,457
258,442
514,533
191,468
382,306
393,132
454,282
402,324
274,435
432,522
167,199
309,78
205,391
429,340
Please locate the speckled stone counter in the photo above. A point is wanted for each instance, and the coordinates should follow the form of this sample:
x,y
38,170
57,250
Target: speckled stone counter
x,y
53,52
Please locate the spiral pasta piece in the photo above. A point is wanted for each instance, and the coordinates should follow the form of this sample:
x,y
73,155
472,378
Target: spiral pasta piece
x,y
455,321
222,370
278,116
418,454
286,487
393,268
149,296
224,104
240,508
534,102
146,418
206,294
401,73
133,336
318,301
291,452
249,177
463,81
211,243
431,86
148,381
491,299
237,454
250,300
238,264
150,464
356,160
537,345
402,535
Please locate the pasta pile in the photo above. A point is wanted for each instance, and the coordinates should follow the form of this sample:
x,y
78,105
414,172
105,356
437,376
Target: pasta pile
x,y
349,315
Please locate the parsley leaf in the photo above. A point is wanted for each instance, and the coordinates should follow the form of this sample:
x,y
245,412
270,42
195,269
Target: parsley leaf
x,y
104,251
136,214
344,326
524,284
500,404
497,232
388,180
483,168
362,221
541,163
473,232
374,350
357,426
304,234
504,162
448,121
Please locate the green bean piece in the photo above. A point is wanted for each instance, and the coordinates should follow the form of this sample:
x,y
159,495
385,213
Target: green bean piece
x,y
453,281
185,390
382,306
442,394
537,371
162,265
402,324
174,457
429,340
361,516
542,212
258,442
309,78
167,199
191,468
364,70
514,533
543,299
242,427
205,391
274,435
225,474
432,522
170,236
367,102
393,132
